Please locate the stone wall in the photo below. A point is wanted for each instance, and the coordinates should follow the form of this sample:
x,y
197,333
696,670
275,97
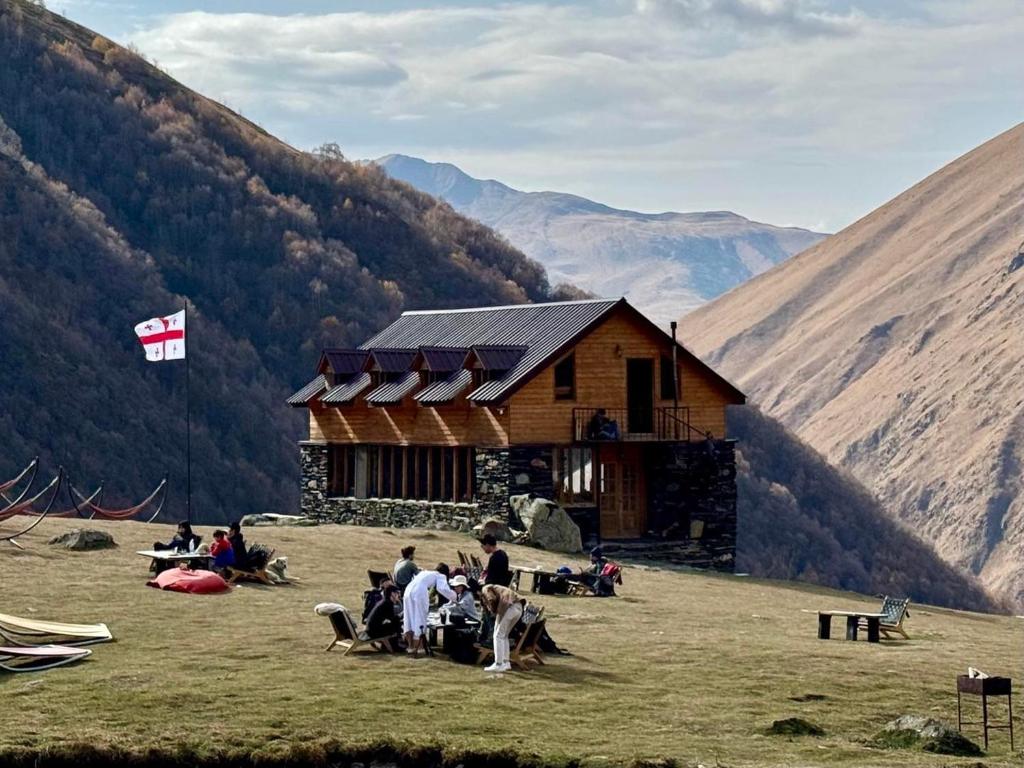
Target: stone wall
x,y
313,471
398,513
492,482
530,470
692,500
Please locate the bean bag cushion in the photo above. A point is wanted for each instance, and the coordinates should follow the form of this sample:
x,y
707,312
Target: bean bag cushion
x,y
196,582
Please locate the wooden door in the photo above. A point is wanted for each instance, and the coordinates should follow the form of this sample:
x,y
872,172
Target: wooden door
x,y
622,493
640,395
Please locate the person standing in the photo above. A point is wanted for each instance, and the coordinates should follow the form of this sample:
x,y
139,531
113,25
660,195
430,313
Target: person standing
x,y
507,609
406,569
416,604
497,571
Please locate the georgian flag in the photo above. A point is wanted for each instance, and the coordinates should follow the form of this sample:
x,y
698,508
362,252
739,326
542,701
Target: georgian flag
x,y
163,338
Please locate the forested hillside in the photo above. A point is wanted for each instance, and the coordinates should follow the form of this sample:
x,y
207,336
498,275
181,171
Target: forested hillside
x,y
122,192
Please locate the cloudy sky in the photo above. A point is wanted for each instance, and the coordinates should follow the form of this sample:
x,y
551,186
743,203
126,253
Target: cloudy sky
x,y
805,112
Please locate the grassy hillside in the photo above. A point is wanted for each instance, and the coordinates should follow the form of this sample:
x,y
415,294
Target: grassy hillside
x,y
683,666
123,193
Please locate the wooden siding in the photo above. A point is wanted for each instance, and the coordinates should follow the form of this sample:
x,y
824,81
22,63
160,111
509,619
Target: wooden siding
x,y
409,424
537,418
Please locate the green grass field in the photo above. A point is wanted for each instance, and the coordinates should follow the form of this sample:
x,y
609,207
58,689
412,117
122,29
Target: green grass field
x,y
683,666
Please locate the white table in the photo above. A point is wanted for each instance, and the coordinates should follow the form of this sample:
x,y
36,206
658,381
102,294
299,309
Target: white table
x,y
168,558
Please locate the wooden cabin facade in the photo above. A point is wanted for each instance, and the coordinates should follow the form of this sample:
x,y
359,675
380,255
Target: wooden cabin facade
x,y
443,416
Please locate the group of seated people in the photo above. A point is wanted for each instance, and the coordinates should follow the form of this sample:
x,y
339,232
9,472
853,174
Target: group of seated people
x,y
227,550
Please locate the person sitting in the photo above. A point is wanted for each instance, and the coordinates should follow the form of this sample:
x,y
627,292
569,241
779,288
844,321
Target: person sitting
x,y
464,603
237,542
596,577
416,604
406,569
222,552
507,609
184,540
497,571
384,622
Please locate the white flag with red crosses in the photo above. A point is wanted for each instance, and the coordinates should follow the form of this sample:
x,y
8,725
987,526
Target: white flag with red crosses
x,y
163,338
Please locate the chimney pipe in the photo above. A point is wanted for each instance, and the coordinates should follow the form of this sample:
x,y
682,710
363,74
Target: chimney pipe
x,y
675,370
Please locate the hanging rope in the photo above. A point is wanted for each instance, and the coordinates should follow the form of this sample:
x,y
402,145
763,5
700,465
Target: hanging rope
x,y
99,513
42,515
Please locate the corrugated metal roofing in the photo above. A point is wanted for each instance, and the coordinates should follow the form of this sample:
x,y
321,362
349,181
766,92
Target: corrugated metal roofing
x,y
308,392
393,359
345,362
391,392
446,390
542,328
347,392
444,358
501,357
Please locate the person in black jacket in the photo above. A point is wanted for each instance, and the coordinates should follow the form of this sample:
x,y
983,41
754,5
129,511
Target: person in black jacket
x,y
238,545
184,540
384,623
497,571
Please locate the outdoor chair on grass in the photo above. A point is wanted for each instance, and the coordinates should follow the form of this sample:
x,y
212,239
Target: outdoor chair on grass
x,y
376,577
602,586
463,559
36,658
474,562
29,632
895,611
346,635
255,568
524,650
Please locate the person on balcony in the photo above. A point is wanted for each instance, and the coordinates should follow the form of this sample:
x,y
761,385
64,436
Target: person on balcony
x,y
601,427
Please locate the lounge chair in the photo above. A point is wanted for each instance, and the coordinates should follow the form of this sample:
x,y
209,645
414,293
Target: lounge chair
x,y
525,649
255,569
601,586
376,577
346,635
36,658
895,610
28,632
474,562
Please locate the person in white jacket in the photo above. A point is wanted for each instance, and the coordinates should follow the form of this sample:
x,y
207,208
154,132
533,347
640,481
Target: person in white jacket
x,y
416,604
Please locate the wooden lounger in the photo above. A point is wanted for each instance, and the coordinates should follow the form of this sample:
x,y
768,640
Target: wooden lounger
x,y
36,658
235,575
29,632
895,610
346,635
525,649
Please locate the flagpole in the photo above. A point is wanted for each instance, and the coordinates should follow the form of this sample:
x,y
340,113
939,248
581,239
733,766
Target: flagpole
x,y
188,424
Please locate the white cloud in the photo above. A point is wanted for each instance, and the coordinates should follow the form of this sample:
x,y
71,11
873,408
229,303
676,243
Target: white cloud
x,y
645,103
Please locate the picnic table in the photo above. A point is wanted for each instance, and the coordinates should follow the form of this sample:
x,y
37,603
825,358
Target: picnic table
x,y
852,622
540,576
463,632
169,558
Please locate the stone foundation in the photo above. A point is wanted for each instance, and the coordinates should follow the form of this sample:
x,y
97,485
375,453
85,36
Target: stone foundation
x,y
313,469
492,482
398,513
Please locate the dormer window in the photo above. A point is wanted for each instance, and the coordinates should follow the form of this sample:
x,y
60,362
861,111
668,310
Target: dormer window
x,y
565,378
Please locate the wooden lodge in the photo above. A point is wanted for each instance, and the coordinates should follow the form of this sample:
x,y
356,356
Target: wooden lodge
x,y
444,415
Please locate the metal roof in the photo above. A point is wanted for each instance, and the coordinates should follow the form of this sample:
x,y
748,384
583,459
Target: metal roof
x,y
391,392
394,359
543,329
343,362
443,359
308,392
347,392
446,390
498,357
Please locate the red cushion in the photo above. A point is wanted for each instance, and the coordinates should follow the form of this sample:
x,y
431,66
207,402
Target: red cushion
x,y
197,582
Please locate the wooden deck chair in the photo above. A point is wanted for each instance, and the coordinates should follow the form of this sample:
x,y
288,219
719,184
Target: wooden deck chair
x,y
474,562
896,610
346,635
527,650
376,577
37,658
258,573
28,632
463,560
532,614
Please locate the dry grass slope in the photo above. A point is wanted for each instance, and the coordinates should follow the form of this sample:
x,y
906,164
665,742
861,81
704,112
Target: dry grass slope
x,y
685,666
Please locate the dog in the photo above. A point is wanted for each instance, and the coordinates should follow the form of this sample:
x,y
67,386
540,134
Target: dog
x,y
277,570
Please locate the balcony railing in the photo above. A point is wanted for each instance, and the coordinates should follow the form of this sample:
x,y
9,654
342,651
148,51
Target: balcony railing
x,y
670,423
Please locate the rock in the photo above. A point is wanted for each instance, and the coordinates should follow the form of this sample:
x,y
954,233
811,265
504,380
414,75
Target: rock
x,y
547,525
929,734
522,479
498,528
273,519
794,726
84,539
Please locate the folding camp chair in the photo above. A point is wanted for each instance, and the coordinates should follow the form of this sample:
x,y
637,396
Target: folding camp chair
x,y
346,635
28,632
37,658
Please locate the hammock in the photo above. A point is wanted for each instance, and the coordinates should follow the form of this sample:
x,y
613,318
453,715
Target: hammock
x,y
99,513
72,511
55,484
33,465
25,507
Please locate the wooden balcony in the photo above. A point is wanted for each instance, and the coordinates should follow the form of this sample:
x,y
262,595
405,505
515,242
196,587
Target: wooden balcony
x,y
609,425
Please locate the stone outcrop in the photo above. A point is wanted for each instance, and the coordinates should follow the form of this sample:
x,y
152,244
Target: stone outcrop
x,y
83,540
269,518
547,525
497,528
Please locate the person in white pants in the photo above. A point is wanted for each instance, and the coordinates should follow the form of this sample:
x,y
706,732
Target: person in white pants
x,y
507,608
416,604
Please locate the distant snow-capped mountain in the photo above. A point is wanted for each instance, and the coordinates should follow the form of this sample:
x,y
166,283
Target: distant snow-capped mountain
x,y
666,263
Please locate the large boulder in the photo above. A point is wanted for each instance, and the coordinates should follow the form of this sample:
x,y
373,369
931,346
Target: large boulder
x,y
84,539
498,528
910,731
269,518
547,525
